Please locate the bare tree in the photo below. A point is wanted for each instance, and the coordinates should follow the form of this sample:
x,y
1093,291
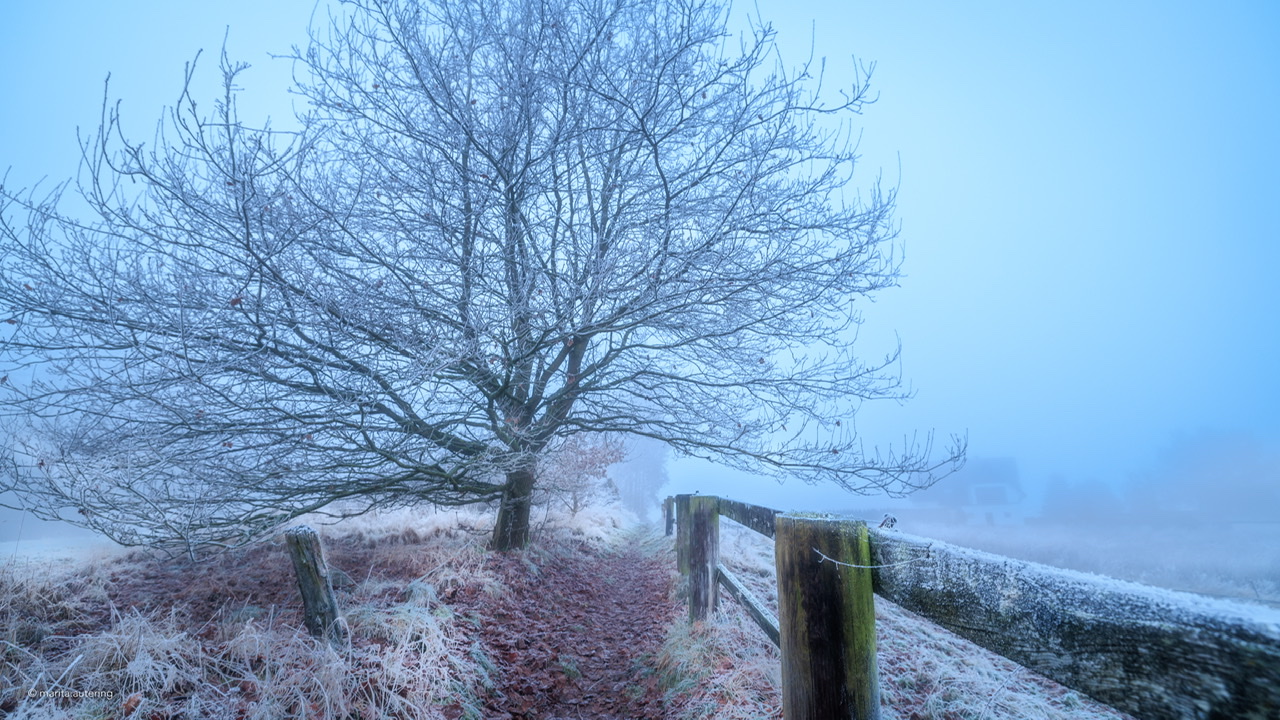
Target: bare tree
x,y
503,225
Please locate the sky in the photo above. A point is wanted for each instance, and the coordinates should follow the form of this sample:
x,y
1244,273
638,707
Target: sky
x,y
1087,196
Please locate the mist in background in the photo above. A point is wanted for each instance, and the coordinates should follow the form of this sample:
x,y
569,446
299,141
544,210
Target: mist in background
x,y
1086,202
1087,199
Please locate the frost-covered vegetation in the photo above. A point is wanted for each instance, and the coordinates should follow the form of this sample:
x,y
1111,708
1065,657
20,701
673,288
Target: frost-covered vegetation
x,y
723,668
499,226
143,636
926,672
138,636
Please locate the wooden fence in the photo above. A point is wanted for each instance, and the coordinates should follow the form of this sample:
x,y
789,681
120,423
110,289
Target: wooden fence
x,y
1152,653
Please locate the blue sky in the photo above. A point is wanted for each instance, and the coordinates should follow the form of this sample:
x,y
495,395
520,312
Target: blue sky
x,y
1088,196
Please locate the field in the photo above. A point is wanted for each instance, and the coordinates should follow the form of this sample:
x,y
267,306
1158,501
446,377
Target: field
x,y
586,623
439,628
1235,561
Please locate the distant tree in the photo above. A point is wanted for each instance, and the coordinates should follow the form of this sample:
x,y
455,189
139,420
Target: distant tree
x,y
504,224
575,475
642,475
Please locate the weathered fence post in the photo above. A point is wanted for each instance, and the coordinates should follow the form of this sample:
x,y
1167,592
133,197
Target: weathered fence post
x,y
319,608
827,617
704,555
669,514
682,534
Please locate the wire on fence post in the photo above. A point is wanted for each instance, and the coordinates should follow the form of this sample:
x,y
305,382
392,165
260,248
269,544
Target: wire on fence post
x,y
826,614
823,558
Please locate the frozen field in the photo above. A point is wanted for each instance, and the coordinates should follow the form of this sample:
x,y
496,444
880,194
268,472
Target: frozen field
x,y
1237,561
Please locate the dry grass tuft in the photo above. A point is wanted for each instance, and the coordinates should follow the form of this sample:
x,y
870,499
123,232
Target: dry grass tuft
x,y
721,668
595,525
724,667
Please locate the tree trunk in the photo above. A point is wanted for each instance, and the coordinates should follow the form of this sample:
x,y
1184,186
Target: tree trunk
x,y
512,530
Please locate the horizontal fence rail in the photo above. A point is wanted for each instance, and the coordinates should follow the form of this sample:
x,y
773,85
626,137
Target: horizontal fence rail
x,y
1152,653
1149,652
758,518
763,616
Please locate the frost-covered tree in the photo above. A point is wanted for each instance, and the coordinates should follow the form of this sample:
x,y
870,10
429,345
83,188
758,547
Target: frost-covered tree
x,y
578,473
503,224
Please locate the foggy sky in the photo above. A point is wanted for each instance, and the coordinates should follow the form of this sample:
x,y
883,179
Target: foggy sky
x,y
1087,200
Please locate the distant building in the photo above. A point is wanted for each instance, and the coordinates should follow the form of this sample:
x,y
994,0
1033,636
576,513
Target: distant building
x,y
987,491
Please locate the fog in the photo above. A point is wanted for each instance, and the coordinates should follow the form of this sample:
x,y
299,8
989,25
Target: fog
x,y
1089,245
1086,201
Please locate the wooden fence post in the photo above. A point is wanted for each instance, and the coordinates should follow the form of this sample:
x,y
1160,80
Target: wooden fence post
x,y
669,514
704,555
827,617
682,534
319,608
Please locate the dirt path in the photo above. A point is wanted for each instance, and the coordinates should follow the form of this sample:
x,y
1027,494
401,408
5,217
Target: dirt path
x,y
576,634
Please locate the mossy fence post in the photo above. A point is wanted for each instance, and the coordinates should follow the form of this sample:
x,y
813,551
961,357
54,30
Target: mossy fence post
x,y
669,514
319,607
704,555
827,619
